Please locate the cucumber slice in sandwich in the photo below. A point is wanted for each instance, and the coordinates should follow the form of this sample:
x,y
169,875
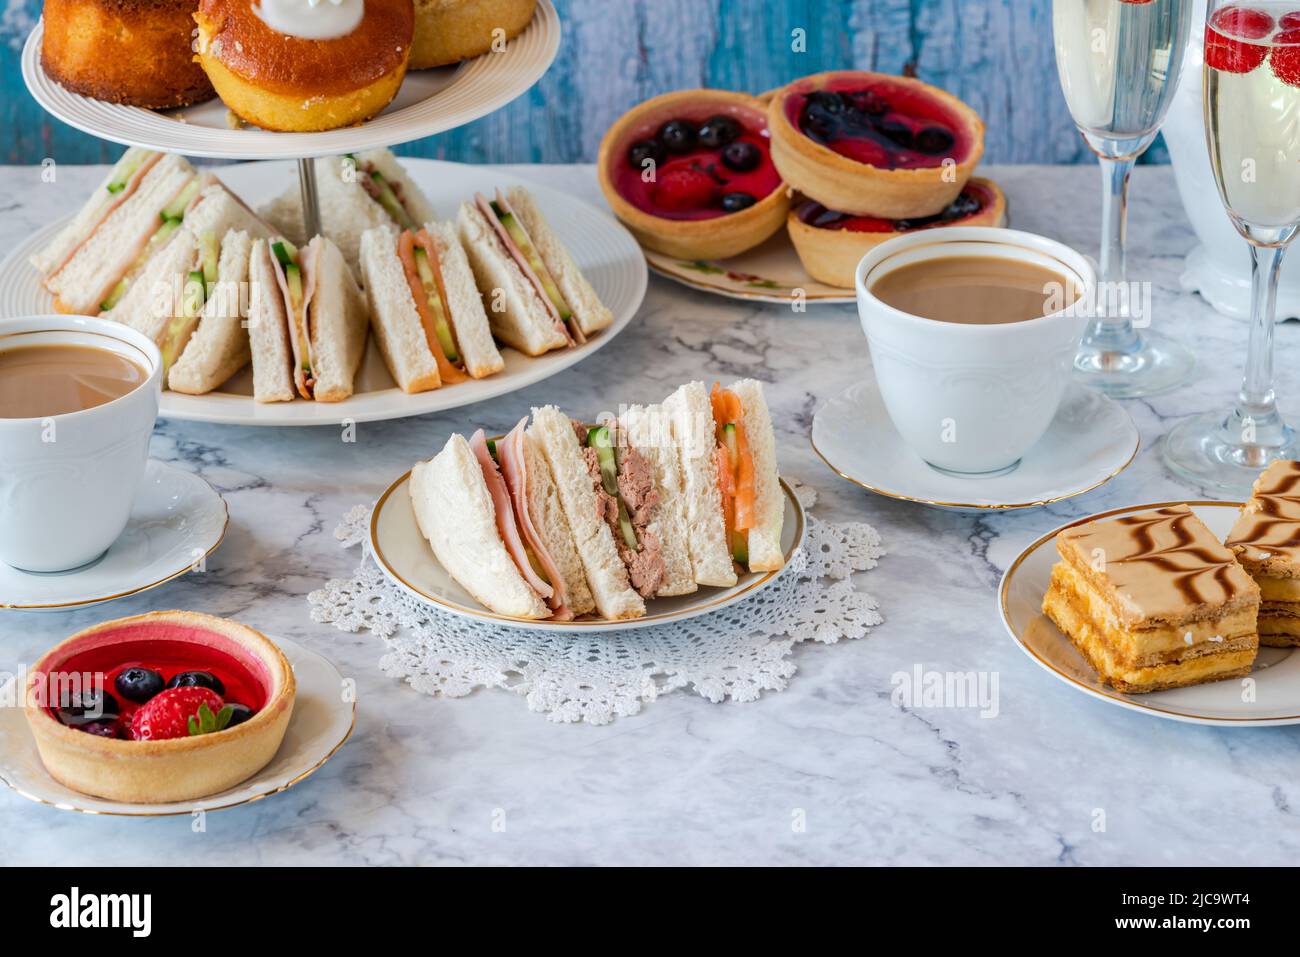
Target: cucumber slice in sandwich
x,y
127,170
602,441
209,254
391,204
160,236
176,208
178,329
525,244
441,327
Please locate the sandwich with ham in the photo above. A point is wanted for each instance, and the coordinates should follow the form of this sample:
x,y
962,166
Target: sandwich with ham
x,y
537,298
355,192
424,307
90,263
492,515
733,500
307,321
560,519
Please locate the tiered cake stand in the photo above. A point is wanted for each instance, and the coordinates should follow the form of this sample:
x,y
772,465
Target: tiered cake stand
x,y
429,102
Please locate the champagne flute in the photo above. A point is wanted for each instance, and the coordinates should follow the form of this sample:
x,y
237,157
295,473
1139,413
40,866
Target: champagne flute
x,y
1252,129
1119,62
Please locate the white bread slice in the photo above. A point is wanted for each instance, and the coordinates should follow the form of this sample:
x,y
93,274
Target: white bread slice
x,y
398,332
606,574
515,311
219,347
339,323
547,514
112,250
156,291
647,430
691,416
77,228
592,314
454,510
268,329
473,333
346,209
151,298
765,552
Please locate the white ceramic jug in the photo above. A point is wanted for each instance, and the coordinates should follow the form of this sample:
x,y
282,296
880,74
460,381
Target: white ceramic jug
x,y
1219,267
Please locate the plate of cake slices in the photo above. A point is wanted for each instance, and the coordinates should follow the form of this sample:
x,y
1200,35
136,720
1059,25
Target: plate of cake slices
x,y
777,198
659,514
432,285
283,78
1183,610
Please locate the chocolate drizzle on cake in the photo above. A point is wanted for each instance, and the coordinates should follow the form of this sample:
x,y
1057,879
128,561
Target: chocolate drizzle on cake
x,y
1173,558
1272,517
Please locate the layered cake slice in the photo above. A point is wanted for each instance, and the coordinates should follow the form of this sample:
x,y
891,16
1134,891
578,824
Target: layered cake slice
x,y
1153,601
1266,541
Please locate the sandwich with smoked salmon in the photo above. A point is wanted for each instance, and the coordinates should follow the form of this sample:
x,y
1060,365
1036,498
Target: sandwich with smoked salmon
x,y
426,312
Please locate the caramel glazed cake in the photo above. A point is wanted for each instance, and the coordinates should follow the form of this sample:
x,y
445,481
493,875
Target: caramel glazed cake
x,y
1153,601
1266,540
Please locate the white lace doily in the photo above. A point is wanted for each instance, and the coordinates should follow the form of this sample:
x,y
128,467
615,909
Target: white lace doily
x,y
734,653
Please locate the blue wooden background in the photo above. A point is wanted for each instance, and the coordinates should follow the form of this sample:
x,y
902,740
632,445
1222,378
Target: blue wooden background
x,y
995,54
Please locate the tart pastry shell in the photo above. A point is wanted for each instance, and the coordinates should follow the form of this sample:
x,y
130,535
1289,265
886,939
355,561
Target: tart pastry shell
x,y
832,255
717,237
176,769
844,184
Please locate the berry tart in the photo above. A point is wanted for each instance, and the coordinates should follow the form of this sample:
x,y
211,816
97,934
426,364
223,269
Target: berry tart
x,y
830,244
168,706
691,174
870,144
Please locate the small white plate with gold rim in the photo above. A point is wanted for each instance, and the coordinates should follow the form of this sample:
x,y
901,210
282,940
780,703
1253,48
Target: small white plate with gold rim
x,y
405,557
1091,440
176,522
323,718
770,272
1270,695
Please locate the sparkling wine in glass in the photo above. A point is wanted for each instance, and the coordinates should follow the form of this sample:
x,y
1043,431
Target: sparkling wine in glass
x,y
1119,62
1252,129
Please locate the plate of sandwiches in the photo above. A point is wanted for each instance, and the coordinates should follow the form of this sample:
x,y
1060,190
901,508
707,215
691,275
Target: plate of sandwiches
x,y
658,514
1184,610
230,79
433,285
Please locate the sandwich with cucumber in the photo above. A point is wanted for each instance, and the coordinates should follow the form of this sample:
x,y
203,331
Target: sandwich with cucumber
x,y
537,298
426,312
562,519
131,217
355,192
307,321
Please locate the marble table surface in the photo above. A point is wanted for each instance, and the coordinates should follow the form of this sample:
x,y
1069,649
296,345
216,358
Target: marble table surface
x,y
423,780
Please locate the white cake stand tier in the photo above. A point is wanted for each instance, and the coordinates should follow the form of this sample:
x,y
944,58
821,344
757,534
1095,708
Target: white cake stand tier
x,y
429,102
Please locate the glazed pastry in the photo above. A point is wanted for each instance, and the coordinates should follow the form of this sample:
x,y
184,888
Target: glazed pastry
x,y
691,175
448,31
870,144
295,65
96,48
175,705
830,244
1153,601
1266,541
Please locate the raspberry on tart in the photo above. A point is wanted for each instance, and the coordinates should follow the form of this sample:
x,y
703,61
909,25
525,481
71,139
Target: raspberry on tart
x,y
830,244
168,706
691,174
872,144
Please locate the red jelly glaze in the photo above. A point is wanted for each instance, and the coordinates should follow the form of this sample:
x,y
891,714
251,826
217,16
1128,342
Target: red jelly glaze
x,y
974,197
169,657
758,182
914,108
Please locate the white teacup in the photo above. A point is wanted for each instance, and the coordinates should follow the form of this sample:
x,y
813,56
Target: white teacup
x,y
67,481
972,398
